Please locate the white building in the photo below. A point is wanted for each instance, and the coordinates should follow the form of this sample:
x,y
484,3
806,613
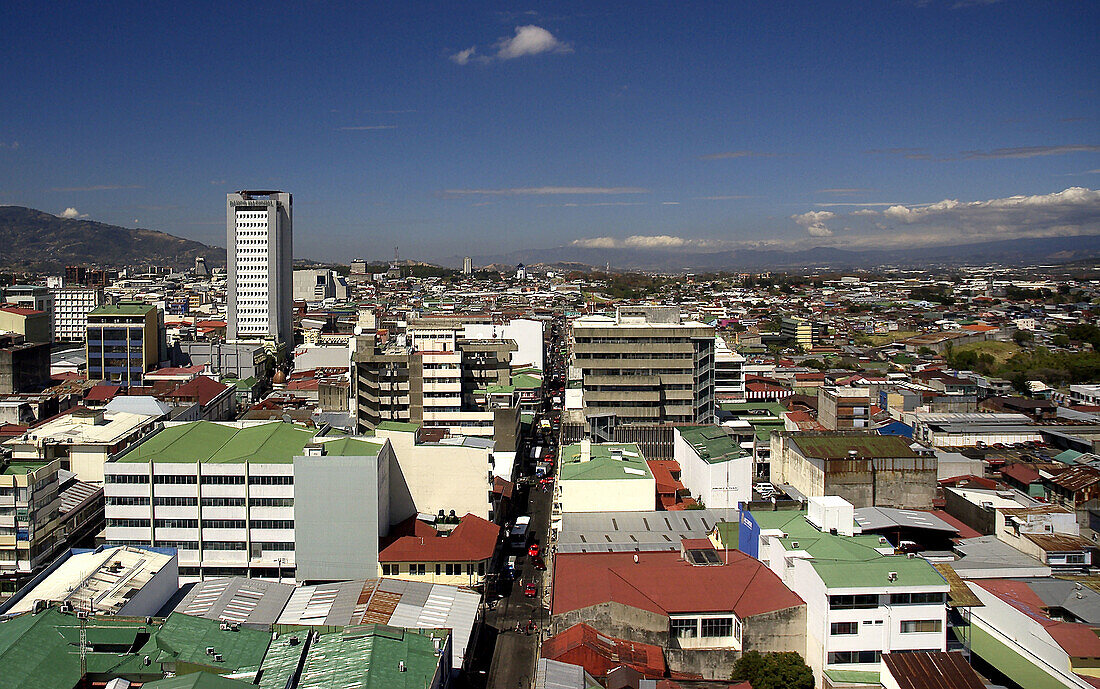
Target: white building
x,y
606,477
729,372
527,334
71,307
861,599
259,241
713,466
267,500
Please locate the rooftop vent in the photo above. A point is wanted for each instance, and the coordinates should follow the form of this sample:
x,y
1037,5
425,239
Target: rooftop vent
x,y
892,576
401,666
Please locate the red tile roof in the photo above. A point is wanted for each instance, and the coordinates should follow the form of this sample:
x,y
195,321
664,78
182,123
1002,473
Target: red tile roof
x,y
200,389
102,393
1020,472
472,540
20,311
662,582
176,371
599,654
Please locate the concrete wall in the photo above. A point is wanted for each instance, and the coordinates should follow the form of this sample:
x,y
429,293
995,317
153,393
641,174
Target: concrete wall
x,y
781,630
723,484
466,486
341,507
627,495
155,593
618,620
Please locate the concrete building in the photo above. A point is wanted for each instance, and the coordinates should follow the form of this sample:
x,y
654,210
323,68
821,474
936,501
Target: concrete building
x,y
71,308
266,500
36,298
123,342
804,333
132,582
459,557
866,469
843,408
259,241
32,324
713,466
24,366
422,456
603,478
239,360
315,284
596,532
644,366
861,599
467,266
81,441
526,333
729,373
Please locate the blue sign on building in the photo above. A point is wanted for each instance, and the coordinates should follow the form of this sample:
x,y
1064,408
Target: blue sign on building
x,y
748,535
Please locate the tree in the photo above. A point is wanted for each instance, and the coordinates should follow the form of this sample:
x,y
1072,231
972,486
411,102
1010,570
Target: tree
x,y
1021,337
773,671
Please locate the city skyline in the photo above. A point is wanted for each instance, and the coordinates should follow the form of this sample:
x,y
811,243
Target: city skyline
x,y
487,129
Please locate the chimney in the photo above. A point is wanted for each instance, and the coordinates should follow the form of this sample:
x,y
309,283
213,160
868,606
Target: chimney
x,y
586,450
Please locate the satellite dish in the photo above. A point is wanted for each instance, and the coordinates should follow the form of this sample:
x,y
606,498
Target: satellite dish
x,y
358,330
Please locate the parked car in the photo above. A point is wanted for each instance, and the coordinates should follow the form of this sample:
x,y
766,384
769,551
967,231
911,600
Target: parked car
x,y
530,590
539,563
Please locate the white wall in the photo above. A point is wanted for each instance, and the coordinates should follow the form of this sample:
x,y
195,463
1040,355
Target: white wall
x,y
442,477
724,484
527,334
615,495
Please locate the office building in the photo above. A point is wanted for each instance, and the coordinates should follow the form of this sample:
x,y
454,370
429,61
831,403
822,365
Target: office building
x,y
804,333
259,241
843,408
71,308
467,266
24,366
315,284
267,500
123,342
713,466
729,373
644,366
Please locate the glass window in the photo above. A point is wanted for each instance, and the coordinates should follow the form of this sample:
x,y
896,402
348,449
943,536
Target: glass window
x,y
921,626
844,628
859,602
717,627
916,598
856,657
685,629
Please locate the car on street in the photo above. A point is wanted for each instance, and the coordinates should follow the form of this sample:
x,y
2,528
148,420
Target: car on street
x,y
533,550
530,590
538,563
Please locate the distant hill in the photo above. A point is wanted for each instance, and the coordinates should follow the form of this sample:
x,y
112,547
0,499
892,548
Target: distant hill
x,y
33,240
1051,250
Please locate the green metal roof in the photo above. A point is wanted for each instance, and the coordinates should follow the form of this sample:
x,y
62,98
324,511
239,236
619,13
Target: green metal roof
x,y
1009,662
122,309
214,443
601,467
712,443
40,650
744,409
186,638
397,426
198,680
854,676
363,657
350,447
847,561
526,382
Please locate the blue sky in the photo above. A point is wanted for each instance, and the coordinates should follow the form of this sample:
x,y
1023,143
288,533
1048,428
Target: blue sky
x,y
667,125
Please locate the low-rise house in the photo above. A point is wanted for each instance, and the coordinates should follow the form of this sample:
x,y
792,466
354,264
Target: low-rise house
x,y
722,603
713,466
459,557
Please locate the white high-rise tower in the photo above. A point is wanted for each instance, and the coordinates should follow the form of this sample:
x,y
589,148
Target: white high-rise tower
x,y
259,246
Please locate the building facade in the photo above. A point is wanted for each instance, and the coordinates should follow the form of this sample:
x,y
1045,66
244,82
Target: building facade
x,y
644,366
123,342
259,241
71,308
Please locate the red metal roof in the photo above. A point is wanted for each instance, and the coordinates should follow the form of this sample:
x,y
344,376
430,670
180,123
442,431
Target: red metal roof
x,y
472,540
19,310
102,393
200,389
599,654
1020,472
1077,640
964,530
662,582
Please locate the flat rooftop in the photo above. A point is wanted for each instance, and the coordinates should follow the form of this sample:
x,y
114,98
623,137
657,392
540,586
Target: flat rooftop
x,y
602,466
103,581
72,429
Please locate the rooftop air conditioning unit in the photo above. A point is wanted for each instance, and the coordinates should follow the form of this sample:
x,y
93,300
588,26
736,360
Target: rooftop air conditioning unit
x,y
217,657
892,576
209,650
401,666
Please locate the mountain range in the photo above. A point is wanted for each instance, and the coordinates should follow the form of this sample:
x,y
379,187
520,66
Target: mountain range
x,y
36,241
1046,250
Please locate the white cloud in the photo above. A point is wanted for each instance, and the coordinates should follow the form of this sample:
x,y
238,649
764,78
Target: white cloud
x,y
530,40
463,57
366,128
1074,211
71,213
1029,152
670,203
814,222
725,155
650,242
544,191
